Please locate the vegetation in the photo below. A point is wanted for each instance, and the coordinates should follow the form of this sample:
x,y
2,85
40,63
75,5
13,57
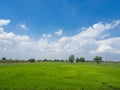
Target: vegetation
x,y
31,60
77,59
82,59
60,76
98,59
71,58
3,58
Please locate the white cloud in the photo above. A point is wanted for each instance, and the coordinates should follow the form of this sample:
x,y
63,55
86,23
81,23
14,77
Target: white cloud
x,y
85,43
104,36
108,48
59,32
46,36
23,26
4,22
9,42
104,48
110,45
97,29
1,29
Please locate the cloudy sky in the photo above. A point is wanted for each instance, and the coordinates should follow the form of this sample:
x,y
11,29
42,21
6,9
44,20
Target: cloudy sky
x,y
55,29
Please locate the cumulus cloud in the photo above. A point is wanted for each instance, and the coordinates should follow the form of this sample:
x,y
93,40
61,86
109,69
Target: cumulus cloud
x,y
4,22
86,43
59,32
10,42
105,36
97,29
1,29
110,45
23,26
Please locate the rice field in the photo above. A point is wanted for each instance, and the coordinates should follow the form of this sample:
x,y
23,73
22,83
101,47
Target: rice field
x,y
60,76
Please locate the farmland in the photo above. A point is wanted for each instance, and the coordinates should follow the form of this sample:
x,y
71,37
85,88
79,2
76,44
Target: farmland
x,y
60,76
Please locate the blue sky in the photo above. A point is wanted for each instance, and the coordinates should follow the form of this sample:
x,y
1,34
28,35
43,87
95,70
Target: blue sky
x,y
57,19
46,16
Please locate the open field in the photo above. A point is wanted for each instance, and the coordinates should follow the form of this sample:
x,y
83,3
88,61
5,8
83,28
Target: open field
x,y
60,76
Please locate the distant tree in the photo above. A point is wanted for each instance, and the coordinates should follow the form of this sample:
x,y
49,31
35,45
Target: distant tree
x,y
62,61
3,58
45,60
56,60
77,59
82,59
71,58
31,60
39,60
98,59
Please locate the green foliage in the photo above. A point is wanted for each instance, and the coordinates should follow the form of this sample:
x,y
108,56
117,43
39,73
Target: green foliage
x,y
31,60
71,58
82,59
77,59
45,60
98,59
3,58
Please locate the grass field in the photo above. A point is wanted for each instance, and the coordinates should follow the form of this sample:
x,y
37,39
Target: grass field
x,y
60,76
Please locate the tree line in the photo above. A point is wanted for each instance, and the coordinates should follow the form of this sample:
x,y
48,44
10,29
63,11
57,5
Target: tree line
x,y
71,59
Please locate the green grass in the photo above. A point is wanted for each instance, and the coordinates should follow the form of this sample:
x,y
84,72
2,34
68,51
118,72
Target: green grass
x,y
60,76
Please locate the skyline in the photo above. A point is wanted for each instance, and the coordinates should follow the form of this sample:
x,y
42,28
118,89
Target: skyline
x,y
55,29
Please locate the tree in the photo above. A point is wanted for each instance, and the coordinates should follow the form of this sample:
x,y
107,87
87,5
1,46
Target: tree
x,y
3,58
98,59
71,58
45,60
31,60
77,59
82,59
